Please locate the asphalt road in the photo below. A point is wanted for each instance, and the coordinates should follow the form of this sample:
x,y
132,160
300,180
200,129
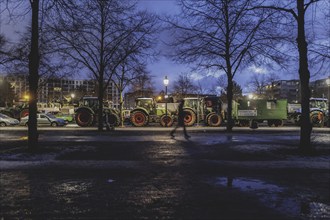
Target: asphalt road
x,y
133,173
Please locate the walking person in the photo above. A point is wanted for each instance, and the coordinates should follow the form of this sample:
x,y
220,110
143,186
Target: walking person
x,y
106,121
180,123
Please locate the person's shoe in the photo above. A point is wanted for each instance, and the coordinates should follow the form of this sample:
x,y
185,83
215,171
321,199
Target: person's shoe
x,y
186,136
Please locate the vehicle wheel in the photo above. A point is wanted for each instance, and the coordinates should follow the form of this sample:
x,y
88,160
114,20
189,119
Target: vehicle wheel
x,y
84,118
166,120
244,123
139,119
213,120
189,117
317,118
53,124
26,124
24,112
270,123
2,124
254,124
113,120
278,123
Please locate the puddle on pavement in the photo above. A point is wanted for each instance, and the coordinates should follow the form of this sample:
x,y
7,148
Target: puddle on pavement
x,y
277,198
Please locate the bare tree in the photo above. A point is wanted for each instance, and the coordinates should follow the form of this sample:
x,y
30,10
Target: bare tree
x,y
237,89
257,84
124,77
184,85
93,33
143,85
33,58
297,12
219,35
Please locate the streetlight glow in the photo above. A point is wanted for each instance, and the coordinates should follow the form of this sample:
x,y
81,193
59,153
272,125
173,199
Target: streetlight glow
x,y
166,81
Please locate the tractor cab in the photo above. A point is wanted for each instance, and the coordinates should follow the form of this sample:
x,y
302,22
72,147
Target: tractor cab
x,y
146,103
212,104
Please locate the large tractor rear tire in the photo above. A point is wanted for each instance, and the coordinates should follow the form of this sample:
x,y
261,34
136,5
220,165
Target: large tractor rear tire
x,y
213,119
84,118
189,117
317,118
166,120
113,120
24,112
139,119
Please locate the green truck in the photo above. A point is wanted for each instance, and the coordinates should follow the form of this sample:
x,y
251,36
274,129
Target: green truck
x,y
246,112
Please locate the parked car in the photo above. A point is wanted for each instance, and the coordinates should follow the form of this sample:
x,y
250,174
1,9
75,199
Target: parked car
x,y
7,121
45,119
65,117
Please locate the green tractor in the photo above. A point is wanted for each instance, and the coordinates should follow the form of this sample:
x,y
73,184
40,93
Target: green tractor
x,y
319,112
206,109
86,113
147,111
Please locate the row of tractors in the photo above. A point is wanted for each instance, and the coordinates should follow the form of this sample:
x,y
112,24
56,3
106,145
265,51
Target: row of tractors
x,y
148,111
209,111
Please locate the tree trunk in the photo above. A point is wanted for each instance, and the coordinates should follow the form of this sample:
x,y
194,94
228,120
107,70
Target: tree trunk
x,y
100,108
121,108
33,78
306,126
230,122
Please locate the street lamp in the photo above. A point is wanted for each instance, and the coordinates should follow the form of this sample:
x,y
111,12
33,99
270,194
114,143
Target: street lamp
x,y
72,97
166,81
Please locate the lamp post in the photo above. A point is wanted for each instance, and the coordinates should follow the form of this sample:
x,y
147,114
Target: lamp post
x,y
166,81
72,97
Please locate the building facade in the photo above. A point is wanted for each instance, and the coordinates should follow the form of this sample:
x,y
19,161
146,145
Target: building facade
x,y
61,90
291,90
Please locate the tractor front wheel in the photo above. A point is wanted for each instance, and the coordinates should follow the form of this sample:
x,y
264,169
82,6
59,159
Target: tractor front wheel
x,y
139,119
213,120
166,120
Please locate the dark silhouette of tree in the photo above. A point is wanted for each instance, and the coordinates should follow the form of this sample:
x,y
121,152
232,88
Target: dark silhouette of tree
x,y
142,86
124,77
297,12
34,59
219,35
94,33
258,83
184,85
237,89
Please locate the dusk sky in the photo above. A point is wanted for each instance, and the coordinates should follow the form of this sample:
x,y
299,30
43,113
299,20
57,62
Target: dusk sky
x,y
163,67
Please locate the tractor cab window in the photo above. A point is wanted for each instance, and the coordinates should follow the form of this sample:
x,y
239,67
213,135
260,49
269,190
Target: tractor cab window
x,y
208,103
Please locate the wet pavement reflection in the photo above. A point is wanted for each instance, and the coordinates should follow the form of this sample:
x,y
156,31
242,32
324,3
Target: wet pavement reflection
x,y
280,198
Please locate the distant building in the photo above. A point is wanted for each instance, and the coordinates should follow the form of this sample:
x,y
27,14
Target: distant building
x,y
290,89
320,88
61,90
284,89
